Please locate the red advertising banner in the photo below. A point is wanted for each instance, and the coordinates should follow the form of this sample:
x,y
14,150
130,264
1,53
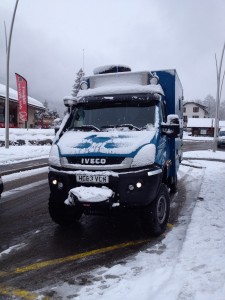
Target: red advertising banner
x,y
22,98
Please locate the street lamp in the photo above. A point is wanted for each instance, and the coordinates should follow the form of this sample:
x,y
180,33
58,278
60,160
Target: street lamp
x,y
218,96
7,79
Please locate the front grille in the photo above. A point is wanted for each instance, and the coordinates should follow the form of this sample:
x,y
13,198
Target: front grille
x,y
88,161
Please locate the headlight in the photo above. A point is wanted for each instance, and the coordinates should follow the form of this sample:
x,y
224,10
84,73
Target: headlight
x,y
54,159
145,156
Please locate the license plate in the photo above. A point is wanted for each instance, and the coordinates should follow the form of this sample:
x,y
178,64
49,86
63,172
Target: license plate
x,y
92,178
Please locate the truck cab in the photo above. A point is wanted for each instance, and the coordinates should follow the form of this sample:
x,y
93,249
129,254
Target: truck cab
x,y
119,147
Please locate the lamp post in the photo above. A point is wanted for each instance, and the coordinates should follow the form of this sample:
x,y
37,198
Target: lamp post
x,y
218,96
7,79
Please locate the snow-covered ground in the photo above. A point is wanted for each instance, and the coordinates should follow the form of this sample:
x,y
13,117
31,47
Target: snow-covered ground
x,y
28,151
186,264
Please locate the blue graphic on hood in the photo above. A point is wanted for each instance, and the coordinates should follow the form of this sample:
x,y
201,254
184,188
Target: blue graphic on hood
x,y
95,139
110,144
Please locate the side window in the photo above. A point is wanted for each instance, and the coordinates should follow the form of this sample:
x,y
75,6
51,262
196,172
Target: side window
x,y
195,109
163,109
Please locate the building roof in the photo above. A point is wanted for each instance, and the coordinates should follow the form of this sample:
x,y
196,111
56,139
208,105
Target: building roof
x,y
197,104
222,124
200,122
203,123
13,95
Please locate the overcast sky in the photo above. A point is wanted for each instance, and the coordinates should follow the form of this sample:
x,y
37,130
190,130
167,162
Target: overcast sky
x,y
49,37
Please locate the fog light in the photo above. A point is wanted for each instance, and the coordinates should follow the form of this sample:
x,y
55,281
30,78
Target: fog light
x,y
131,187
138,184
54,181
60,185
84,85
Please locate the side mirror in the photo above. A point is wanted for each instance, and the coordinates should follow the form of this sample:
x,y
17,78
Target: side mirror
x,y
172,127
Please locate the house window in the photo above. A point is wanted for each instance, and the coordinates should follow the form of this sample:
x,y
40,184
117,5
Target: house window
x,y
184,110
2,115
196,109
185,119
195,116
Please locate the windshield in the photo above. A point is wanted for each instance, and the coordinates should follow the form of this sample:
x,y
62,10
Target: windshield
x,y
222,133
114,116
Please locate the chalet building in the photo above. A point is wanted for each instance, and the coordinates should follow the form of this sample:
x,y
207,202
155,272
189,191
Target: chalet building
x,y
33,106
194,110
203,126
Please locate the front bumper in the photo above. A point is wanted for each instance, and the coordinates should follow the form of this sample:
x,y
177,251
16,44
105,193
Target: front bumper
x,y
134,188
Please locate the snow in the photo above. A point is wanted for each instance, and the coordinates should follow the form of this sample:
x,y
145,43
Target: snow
x,y
204,123
187,264
28,173
27,152
22,153
116,142
14,96
123,83
122,89
13,248
89,194
200,122
145,156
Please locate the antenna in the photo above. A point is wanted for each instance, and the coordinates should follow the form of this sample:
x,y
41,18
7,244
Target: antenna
x,y
83,60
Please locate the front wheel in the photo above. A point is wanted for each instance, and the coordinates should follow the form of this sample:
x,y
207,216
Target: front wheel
x,y
61,213
157,213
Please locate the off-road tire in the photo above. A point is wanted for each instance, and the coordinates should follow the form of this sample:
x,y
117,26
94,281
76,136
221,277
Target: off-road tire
x,y
173,184
61,213
156,215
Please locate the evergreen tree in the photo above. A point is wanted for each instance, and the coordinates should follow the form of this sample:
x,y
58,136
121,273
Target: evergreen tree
x,y
46,104
78,80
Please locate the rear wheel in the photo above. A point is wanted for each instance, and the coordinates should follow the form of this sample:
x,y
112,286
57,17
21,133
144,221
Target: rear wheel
x,y
61,213
173,184
157,213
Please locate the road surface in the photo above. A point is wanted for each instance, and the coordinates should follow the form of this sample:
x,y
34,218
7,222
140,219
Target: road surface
x,y
35,253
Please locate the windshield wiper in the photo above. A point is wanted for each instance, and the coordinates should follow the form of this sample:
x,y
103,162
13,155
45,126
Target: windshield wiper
x,y
86,128
108,126
130,126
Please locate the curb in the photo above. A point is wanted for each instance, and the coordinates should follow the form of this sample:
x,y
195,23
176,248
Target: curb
x,y
208,159
4,173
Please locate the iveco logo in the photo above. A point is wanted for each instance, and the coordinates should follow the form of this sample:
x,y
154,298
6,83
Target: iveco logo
x,y
93,161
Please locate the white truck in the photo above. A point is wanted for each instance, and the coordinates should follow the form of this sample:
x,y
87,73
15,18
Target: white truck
x,y
119,147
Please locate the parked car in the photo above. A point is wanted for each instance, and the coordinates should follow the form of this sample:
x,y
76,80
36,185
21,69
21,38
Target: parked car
x,y
1,186
221,138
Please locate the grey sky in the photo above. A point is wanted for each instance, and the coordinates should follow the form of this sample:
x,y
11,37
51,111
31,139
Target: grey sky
x,y
49,37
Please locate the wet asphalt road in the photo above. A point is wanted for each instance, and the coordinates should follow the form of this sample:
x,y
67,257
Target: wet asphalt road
x,y
43,254
25,223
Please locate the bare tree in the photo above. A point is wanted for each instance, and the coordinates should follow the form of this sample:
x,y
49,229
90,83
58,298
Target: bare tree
x,y
222,110
210,102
